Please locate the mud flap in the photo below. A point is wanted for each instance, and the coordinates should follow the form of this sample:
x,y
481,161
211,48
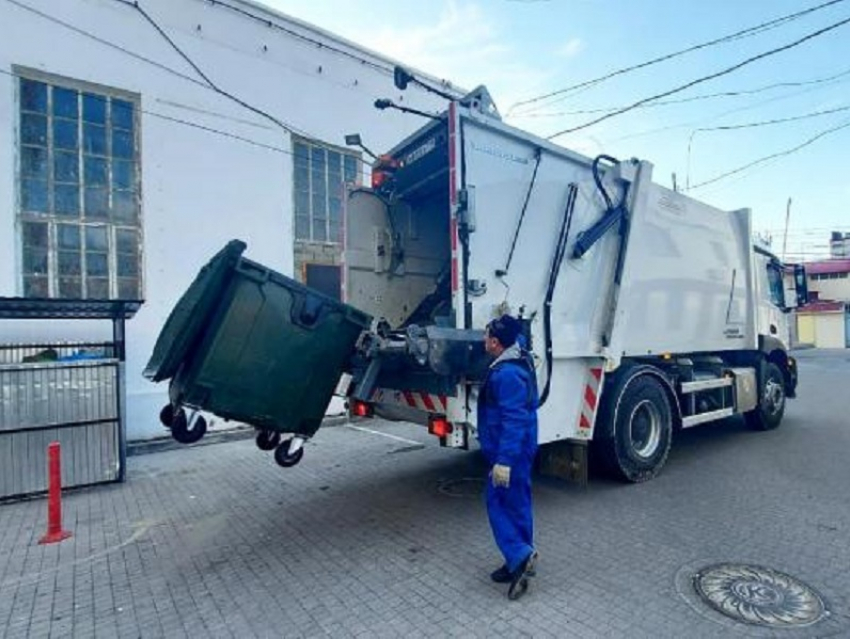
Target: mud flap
x,y
791,378
565,460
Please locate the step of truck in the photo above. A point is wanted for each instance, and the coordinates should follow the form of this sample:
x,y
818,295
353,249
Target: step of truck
x,y
706,384
702,418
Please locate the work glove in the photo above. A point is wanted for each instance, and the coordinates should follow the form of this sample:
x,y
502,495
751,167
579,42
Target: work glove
x,y
501,476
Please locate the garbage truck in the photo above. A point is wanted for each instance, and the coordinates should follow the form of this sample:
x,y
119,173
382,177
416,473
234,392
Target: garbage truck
x,y
646,310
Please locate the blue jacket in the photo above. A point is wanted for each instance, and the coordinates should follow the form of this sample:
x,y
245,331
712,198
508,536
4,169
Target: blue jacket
x,y
507,410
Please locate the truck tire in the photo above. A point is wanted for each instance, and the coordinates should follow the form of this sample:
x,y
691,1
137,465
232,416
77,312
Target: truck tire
x,y
771,408
642,422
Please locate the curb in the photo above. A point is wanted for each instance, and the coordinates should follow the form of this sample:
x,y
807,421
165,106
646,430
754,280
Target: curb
x,y
238,433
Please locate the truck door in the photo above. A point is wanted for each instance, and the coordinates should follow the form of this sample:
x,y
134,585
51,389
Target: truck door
x,y
771,298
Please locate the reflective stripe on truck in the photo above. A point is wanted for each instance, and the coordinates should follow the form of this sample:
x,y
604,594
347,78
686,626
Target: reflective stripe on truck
x,y
590,402
427,402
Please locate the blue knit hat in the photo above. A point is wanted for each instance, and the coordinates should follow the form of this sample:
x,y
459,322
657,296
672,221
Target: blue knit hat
x,y
506,329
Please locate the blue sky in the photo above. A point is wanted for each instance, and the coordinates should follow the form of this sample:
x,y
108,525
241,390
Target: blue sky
x,y
524,48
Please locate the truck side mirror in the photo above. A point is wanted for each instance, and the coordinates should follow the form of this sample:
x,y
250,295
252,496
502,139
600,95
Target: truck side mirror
x,y
801,284
791,298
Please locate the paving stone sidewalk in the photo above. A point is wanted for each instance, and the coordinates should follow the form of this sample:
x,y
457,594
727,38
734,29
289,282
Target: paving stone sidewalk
x,y
376,536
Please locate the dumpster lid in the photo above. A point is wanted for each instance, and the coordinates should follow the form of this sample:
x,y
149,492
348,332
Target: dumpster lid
x,y
61,308
185,325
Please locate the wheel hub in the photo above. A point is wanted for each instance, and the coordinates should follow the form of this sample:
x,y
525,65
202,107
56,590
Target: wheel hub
x,y
645,429
774,398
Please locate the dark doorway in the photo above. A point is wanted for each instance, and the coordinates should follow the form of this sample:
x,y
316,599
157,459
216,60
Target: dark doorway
x,y
325,278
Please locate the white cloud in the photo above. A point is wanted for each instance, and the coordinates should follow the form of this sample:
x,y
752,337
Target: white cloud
x,y
570,49
459,41
462,45
460,30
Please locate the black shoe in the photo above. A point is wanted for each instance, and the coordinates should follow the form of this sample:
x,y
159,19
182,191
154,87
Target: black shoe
x,y
519,580
502,575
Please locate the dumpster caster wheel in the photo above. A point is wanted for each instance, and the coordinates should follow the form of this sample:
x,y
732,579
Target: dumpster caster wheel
x,y
180,428
267,440
166,415
282,456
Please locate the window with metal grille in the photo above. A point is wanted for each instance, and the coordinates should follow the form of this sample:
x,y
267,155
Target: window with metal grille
x,y
78,189
320,173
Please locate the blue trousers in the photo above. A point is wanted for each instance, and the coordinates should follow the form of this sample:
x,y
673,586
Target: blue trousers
x,y
509,511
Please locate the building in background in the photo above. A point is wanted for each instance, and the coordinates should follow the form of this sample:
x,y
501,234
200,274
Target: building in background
x,y
825,321
141,137
839,245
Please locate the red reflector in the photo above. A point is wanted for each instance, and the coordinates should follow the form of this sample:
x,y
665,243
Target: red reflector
x,y
361,409
440,426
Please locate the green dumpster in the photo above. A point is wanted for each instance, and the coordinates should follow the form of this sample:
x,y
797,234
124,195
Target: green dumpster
x,y
249,344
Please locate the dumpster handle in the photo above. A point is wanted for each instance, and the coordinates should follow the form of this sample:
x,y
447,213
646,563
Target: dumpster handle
x,y
308,310
253,272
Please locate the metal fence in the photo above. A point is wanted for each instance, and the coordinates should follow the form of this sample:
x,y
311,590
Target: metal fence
x,y
70,393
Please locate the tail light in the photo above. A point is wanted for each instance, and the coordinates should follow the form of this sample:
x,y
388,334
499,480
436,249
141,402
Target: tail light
x,y
378,178
440,426
361,409
383,170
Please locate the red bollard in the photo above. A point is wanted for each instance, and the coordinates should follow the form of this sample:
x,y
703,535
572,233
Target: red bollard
x,y
54,497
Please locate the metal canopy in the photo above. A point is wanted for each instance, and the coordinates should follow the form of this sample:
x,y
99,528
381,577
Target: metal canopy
x,y
43,308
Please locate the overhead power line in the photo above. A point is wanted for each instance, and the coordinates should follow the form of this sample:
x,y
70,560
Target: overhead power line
x,y
107,43
206,78
773,156
706,78
747,107
760,123
694,98
745,33
188,123
386,68
753,125
205,83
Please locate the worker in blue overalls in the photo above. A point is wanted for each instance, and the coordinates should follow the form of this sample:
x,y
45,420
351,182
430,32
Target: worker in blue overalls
x,y
507,431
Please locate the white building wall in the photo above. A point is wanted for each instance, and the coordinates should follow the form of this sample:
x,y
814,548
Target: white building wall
x,y
830,330
837,287
199,188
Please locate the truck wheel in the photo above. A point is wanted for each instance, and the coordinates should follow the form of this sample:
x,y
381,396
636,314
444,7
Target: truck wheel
x,y
643,429
282,456
166,415
771,406
267,440
180,428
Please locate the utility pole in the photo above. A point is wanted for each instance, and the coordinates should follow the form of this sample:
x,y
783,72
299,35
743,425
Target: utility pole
x,y
785,237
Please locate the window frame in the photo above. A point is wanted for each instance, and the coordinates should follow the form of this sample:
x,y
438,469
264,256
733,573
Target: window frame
x,y
325,195
775,284
107,162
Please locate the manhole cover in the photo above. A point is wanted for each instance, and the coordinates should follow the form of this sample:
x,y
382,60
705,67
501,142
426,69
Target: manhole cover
x,y
465,487
759,596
